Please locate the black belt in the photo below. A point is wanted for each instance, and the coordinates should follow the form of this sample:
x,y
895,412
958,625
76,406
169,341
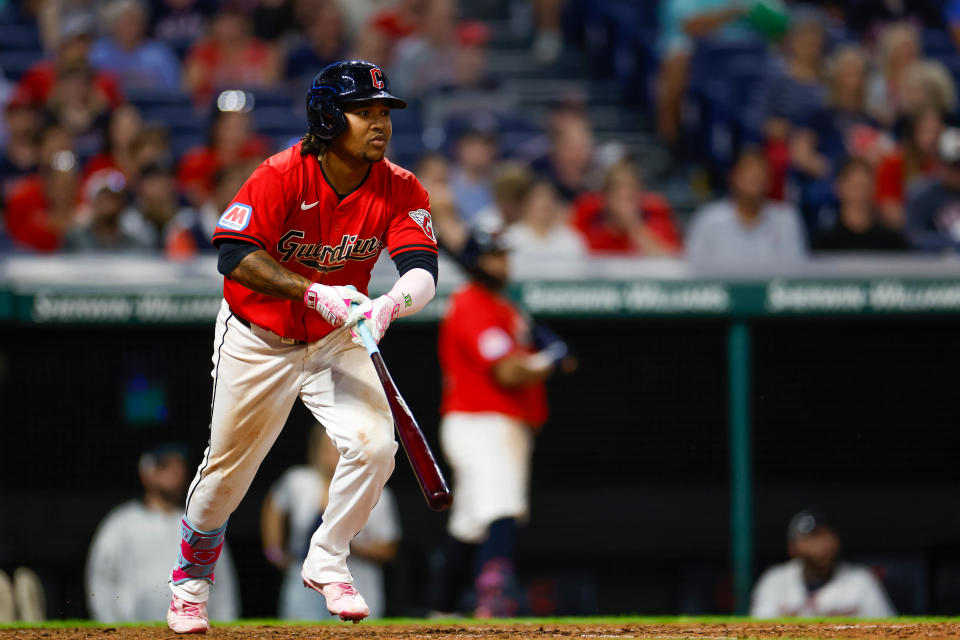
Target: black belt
x,y
248,325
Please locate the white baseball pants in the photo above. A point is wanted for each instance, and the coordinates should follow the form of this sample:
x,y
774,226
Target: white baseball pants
x,y
257,379
490,456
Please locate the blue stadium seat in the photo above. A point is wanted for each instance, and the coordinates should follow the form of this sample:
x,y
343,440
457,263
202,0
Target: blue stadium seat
x,y
154,97
407,120
405,144
270,98
938,44
178,118
21,37
275,118
181,143
15,63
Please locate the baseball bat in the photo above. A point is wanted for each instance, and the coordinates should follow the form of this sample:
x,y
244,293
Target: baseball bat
x,y
425,466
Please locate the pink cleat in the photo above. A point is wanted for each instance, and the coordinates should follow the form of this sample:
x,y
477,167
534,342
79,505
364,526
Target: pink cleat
x,y
342,599
187,617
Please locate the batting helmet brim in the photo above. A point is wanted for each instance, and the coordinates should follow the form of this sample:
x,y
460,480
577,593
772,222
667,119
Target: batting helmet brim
x,y
392,101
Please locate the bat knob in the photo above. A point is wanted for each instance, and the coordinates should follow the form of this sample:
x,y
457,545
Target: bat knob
x,y
440,501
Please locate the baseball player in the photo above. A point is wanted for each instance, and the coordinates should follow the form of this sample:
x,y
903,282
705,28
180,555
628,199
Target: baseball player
x,y
308,222
813,583
494,399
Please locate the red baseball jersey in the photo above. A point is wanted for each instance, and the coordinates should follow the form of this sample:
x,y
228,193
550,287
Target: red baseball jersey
x,y
480,329
288,208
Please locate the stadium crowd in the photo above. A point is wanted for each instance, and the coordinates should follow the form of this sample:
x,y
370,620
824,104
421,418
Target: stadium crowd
x,y
819,126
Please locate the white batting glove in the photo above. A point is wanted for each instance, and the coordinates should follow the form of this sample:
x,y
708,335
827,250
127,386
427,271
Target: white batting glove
x,y
332,303
377,314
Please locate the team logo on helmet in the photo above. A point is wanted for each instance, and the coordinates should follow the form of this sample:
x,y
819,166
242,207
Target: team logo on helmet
x,y
376,76
422,218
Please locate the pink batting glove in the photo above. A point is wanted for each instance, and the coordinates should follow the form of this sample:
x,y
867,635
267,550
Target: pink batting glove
x,y
377,314
332,303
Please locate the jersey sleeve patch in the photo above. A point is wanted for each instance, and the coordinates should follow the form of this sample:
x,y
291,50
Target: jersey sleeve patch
x,y
236,217
424,221
494,343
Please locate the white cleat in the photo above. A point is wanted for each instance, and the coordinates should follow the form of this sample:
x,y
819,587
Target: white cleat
x,y
342,599
187,617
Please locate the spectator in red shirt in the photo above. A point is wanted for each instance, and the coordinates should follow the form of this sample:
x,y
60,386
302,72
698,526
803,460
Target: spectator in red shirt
x,y
77,106
76,36
191,231
230,56
625,219
378,38
41,207
151,143
913,159
124,126
22,149
232,141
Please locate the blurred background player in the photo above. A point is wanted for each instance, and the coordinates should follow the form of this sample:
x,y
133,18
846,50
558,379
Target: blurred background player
x,y
291,513
813,583
126,577
494,399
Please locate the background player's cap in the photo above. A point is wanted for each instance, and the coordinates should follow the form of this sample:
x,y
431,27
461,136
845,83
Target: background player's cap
x,y
804,523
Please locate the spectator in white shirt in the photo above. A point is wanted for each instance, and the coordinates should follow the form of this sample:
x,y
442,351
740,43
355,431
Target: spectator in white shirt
x,y
290,516
126,577
813,583
746,231
542,233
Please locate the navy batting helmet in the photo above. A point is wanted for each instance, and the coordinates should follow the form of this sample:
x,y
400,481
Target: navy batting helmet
x,y
342,83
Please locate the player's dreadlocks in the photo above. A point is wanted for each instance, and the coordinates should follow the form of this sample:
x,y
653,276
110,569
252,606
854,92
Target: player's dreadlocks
x,y
312,145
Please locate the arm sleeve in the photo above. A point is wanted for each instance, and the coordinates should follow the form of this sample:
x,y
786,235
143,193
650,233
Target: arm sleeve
x,y
413,290
418,259
256,212
411,227
231,253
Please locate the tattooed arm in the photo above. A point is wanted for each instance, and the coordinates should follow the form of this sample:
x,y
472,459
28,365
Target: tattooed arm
x,y
261,273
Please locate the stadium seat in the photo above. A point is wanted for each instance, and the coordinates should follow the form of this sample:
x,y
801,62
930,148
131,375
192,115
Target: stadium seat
x,y
20,37
181,143
177,118
145,98
15,63
270,98
407,121
938,44
269,118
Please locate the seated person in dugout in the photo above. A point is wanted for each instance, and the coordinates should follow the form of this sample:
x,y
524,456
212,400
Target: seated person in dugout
x,y
813,583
